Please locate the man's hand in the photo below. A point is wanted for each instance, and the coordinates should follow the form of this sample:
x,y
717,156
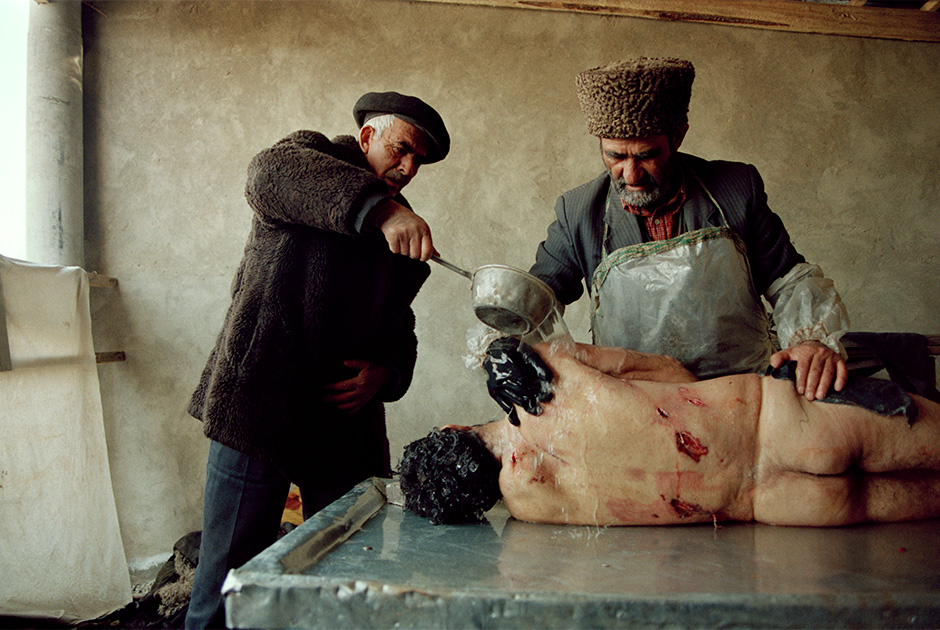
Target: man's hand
x,y
816,367
407,233
352,394
516,375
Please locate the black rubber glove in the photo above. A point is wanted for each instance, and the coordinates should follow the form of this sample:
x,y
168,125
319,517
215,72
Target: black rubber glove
x,y
516,375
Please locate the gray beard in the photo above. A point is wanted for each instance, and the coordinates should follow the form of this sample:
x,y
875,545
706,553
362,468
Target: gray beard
x,y
647,198
639,198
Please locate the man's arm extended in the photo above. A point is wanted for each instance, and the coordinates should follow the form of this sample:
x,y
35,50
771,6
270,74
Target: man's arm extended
x,y
629,365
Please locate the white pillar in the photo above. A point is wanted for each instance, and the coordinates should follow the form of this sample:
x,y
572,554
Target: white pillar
x,y
54,167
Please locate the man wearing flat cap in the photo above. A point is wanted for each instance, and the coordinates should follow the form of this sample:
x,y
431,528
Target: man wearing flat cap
x,y
320,330
676,251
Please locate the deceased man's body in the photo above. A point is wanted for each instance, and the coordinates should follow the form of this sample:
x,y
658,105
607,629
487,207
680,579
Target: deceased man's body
x,y
668,449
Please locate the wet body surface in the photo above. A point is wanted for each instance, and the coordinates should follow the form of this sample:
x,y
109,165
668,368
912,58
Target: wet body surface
x,y
609,450
679,469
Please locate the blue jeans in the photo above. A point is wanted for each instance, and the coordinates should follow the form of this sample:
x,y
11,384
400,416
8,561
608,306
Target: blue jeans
x,y
242,508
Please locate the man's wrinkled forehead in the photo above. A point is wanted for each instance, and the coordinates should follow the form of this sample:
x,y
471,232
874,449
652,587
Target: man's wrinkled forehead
x,y
409,137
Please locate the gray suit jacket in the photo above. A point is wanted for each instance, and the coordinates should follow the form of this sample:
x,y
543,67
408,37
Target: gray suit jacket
x,y
572,249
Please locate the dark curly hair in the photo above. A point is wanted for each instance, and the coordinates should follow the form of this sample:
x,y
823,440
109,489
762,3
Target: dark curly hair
x,y
449,477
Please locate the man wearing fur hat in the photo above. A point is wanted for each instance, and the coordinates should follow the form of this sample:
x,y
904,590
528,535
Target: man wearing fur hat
x,y
676,250
319,333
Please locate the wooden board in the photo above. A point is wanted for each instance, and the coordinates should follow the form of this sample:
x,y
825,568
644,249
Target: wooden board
x,y
780,15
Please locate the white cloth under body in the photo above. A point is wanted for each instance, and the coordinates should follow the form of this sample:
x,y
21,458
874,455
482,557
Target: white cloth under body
x,y
61,554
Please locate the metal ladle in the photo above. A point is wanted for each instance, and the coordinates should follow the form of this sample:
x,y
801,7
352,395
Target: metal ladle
x,y
508,299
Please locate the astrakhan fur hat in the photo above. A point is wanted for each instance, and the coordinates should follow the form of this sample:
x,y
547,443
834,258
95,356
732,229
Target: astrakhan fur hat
x,y
636,97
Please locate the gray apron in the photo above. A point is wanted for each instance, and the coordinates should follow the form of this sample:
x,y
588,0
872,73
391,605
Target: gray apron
x,y
690,297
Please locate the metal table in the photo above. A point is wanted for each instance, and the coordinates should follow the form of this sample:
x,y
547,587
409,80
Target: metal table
x,y
366,563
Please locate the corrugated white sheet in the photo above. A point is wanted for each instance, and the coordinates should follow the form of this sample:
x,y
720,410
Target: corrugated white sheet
x,y
61,554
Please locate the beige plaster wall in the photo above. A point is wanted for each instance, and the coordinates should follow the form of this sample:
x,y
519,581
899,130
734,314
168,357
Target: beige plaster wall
x,y
180,95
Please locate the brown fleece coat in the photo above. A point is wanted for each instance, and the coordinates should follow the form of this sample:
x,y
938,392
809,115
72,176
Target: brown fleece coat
x,y
309,294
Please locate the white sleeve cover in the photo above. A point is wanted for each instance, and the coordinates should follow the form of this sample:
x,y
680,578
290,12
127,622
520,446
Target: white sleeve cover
x,y
807,307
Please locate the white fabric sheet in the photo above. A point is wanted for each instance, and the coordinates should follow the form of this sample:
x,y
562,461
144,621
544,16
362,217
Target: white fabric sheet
x,y
61,554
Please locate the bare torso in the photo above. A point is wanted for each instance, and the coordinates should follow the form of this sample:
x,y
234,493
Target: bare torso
x,y
613,452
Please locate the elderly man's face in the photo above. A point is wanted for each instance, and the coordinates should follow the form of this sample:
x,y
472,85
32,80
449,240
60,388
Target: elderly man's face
x,y
642,169
396,155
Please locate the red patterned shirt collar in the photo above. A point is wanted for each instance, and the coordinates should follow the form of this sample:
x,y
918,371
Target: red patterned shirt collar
x,y
660,222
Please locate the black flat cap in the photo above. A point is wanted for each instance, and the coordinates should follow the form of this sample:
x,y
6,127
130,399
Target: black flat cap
x,y
410,109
